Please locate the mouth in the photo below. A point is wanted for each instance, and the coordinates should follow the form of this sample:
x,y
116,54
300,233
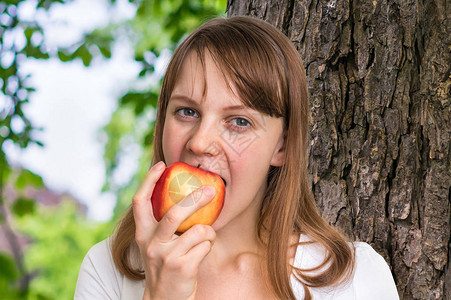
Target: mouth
x,y
225,182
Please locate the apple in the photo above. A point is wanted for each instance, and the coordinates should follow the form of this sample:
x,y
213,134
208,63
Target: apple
x,y
178,181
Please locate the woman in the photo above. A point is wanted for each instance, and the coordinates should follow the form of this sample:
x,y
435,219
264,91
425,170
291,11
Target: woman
x,y
234,99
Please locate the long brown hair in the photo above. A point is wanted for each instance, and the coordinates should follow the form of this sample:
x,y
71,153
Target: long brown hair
x,y
268,75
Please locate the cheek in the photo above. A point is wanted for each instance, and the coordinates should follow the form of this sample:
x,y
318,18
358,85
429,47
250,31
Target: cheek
x,y
252,165
173,143
257,155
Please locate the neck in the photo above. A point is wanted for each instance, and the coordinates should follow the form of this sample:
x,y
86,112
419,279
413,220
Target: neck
x,y
237,241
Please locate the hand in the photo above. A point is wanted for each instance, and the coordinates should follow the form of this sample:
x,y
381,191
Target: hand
x,y
170,262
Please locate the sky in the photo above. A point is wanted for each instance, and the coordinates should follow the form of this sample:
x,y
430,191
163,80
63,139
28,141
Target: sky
x,y
72,103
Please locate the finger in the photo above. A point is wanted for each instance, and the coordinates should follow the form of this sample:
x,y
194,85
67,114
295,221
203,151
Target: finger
x,y
142,206
192,237
195,255
181,211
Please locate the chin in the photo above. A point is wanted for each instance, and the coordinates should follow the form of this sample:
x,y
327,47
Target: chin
x,y
220,222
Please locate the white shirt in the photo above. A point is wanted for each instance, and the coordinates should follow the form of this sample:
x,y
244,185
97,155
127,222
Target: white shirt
x,y
100,279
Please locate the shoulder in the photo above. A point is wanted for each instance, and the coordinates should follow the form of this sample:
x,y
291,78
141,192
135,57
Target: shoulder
x,y
100,250
99,257
372,275
98,276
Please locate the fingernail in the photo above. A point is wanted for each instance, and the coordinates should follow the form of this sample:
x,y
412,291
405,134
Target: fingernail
x,y
209,190
159,166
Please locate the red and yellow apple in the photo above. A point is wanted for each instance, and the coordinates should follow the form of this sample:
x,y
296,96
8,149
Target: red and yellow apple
x,y
178,181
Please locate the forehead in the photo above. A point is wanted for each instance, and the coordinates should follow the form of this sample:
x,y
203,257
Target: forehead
x,y
200,79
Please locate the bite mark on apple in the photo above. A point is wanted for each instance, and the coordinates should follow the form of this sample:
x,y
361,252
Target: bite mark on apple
x,y
225,182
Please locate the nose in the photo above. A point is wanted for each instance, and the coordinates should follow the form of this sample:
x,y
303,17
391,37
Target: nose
x,y
203,140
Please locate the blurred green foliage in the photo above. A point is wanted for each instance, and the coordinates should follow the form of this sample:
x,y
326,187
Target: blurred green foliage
x,y
60,236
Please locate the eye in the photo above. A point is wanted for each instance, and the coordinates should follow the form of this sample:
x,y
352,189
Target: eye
x,y
241,124
185,112
236,124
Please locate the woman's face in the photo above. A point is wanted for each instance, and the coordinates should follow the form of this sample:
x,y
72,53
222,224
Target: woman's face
x,y
221,135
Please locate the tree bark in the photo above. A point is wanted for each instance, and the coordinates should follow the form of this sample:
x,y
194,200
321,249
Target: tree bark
x,y
379,83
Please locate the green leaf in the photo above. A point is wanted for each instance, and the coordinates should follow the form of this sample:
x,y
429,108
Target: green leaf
x,y
83,53
106,52
29,32
28,178
5,169
63,56
8,269
36,52
10,71
42,297
38,143
143,73
24,206
148,139
140,100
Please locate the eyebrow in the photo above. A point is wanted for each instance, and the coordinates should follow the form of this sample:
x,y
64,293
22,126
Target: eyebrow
x,y
188,99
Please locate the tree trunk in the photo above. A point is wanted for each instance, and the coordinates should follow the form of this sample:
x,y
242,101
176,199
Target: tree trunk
x,y
379,82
